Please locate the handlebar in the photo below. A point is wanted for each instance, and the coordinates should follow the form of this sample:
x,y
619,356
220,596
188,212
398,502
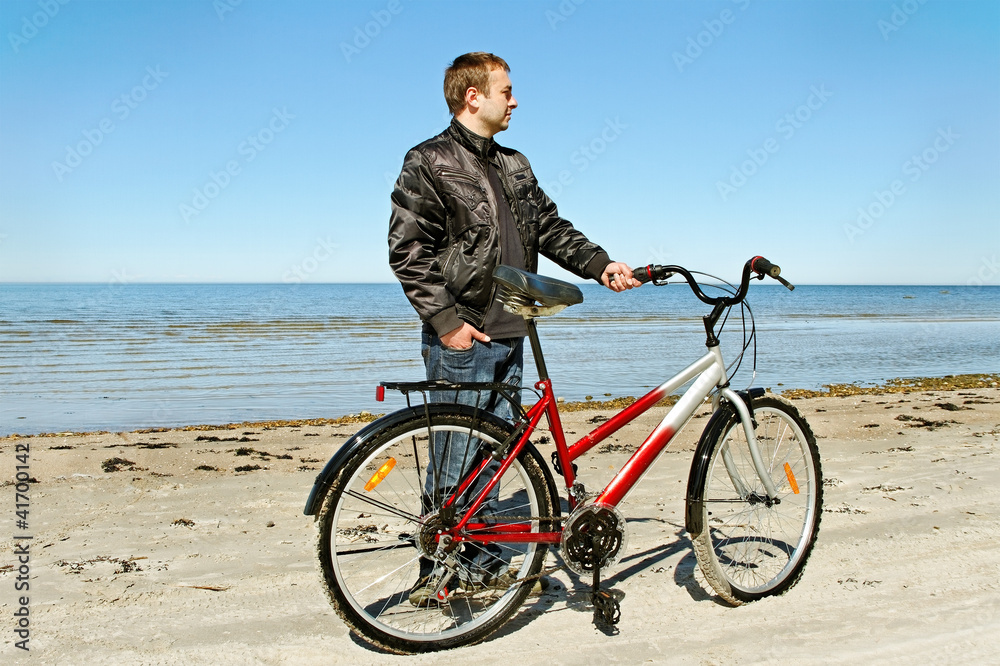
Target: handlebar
x,y
762,266
759,265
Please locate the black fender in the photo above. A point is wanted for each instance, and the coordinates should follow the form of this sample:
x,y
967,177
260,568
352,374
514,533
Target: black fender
x,y
699,464
699,468
361,438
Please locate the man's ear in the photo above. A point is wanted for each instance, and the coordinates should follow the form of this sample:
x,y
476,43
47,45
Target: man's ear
x,y
472,98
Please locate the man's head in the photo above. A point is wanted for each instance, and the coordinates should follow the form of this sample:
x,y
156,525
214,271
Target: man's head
x,y
479,93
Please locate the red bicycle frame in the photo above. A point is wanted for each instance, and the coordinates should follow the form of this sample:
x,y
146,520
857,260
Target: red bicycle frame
x,y
710,373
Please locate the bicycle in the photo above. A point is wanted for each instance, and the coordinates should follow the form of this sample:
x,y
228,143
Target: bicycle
x,y
415,562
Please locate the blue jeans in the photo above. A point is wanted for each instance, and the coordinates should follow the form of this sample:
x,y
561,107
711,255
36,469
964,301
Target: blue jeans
x,y
452,457
495,361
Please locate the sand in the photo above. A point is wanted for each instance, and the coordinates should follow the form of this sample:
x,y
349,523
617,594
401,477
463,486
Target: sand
x,y
160,562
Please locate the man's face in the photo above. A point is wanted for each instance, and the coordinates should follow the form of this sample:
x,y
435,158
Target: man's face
x,y
495,109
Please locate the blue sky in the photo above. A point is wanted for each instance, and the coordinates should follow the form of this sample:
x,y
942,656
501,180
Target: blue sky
x,y
257,141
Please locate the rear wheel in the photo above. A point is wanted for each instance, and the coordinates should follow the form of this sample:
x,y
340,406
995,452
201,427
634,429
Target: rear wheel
x,y
750,546
379,545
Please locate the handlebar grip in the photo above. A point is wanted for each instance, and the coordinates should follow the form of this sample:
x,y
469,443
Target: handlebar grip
x,y
651,273
642,274
764,267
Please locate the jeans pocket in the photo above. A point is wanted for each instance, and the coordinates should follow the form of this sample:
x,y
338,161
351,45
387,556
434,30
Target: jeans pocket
x,y
452,350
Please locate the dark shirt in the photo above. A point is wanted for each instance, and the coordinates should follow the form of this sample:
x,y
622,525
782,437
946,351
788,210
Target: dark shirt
x,y
499,323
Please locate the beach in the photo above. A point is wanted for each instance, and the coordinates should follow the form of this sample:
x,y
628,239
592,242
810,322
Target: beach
x,y
189,546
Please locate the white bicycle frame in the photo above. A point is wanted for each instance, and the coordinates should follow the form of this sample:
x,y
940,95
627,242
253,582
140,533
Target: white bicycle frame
x,y
709,375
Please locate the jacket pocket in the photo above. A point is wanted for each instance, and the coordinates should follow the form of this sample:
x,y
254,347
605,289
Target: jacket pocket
x,y
461,189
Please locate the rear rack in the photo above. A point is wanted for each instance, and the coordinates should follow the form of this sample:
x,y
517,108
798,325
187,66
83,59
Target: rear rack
x,y
505,391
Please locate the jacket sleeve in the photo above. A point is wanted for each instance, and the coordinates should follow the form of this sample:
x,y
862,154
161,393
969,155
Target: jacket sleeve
x,y
568,247
417,233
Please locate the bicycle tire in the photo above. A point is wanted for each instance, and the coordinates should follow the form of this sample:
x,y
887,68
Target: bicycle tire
x,y
369,584
747,547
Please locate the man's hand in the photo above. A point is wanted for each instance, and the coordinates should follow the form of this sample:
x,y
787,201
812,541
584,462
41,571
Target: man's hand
x,y
618,276
461,338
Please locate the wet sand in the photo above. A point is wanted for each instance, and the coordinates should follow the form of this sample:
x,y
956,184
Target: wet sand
x,y
190,546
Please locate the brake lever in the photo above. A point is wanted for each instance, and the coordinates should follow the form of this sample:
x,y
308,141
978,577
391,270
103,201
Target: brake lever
x,y
663,280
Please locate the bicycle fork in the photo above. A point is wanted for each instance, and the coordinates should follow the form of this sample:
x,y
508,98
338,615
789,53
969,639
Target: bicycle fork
x,y
747,421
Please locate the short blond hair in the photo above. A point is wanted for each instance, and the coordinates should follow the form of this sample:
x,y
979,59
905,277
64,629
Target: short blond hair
x,y
471,70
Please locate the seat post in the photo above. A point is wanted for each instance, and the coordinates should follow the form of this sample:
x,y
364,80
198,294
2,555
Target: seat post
x,y
536,349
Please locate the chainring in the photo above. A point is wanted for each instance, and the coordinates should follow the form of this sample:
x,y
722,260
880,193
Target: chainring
x,y
594,537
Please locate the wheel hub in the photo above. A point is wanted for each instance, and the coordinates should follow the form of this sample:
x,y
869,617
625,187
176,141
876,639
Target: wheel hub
x,y
431,530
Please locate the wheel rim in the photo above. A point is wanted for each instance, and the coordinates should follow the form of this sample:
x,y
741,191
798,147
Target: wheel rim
x,y
374,556
756,546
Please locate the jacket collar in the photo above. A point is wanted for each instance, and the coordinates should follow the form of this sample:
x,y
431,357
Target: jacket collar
x,y
479,146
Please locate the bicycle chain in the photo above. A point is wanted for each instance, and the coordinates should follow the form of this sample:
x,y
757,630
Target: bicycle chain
x,y
606,606
543,572
524,518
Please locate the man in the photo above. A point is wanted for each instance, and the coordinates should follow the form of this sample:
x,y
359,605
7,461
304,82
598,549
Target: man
x,y
462,206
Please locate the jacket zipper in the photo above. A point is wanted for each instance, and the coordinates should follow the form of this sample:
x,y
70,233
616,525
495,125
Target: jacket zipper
x,y
459,175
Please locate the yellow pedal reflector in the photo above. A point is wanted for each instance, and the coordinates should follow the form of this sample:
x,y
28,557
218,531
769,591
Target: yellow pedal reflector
x,y
384,470
788,472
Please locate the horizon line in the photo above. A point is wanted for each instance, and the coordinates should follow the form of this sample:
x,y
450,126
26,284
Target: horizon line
x,y
114,283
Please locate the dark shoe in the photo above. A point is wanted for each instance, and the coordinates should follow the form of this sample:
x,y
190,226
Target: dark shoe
x,y
423,591
504,582
482,566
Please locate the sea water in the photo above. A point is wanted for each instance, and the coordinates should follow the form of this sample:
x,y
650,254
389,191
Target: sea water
x,y
78,357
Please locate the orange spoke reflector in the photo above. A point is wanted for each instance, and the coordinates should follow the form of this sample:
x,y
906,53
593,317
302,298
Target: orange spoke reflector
x,y
384,470
788,473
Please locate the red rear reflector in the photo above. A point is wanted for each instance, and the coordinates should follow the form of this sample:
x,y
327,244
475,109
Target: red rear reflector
x,y
379,393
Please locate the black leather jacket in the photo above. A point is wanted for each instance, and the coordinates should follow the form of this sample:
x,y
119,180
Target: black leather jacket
x,y
443,233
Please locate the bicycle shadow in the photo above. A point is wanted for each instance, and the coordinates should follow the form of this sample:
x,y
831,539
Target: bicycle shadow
x,y
648,559
364,644
577,596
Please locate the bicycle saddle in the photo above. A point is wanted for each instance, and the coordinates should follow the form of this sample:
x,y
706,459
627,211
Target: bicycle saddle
x,y
546,291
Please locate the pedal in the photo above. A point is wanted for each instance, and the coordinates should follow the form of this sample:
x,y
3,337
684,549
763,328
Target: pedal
x,y
607,610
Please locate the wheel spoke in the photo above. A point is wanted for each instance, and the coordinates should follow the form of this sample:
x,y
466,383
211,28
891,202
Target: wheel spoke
x,y
750,546
363,549
382,505
377,545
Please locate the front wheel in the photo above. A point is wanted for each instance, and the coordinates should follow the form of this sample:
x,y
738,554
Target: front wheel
x,y
748,545
385,568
